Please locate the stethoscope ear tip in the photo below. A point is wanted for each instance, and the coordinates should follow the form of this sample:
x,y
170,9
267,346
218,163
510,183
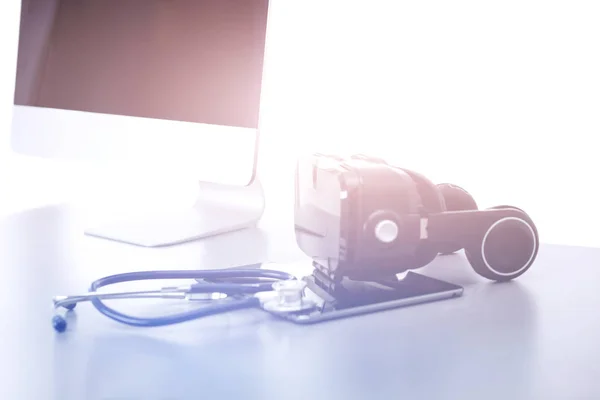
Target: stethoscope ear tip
x,y
59,323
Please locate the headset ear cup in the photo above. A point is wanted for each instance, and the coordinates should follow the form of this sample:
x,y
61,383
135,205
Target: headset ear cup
x,y
455,199
507,250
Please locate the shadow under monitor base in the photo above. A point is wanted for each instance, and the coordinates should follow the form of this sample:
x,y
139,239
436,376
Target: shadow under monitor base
x,y
218,210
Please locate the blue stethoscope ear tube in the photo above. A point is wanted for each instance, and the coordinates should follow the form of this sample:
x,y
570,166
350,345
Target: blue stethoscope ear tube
x,y
240,283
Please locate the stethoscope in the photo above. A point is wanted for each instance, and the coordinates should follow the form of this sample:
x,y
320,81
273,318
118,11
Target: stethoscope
x,y
224,289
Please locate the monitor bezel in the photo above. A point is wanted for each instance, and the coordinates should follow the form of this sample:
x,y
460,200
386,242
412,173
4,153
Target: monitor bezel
x,y
212,153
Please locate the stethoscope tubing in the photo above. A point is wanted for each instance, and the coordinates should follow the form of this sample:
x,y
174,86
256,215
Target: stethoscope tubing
x,y
240,283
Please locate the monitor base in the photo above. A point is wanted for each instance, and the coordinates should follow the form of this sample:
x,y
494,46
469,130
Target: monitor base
x,y
219,209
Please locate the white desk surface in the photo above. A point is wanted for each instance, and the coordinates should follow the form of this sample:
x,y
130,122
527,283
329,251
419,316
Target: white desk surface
x,y
535,338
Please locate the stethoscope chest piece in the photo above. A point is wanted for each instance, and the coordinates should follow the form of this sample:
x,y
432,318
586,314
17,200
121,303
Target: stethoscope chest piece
x,y
287,297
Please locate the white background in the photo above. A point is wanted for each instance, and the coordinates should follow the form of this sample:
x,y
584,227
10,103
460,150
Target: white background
x,y
502,98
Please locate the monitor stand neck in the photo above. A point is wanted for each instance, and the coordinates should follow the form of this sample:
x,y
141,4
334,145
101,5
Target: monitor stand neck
x,y
218,209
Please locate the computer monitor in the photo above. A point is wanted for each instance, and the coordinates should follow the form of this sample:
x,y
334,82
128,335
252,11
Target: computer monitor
x,y
154,81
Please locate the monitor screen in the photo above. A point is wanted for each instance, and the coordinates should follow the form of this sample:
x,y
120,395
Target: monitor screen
x,y
185,60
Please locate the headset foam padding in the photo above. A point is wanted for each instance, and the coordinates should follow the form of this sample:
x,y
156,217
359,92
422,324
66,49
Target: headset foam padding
x,y
432,201
431,197
456,198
